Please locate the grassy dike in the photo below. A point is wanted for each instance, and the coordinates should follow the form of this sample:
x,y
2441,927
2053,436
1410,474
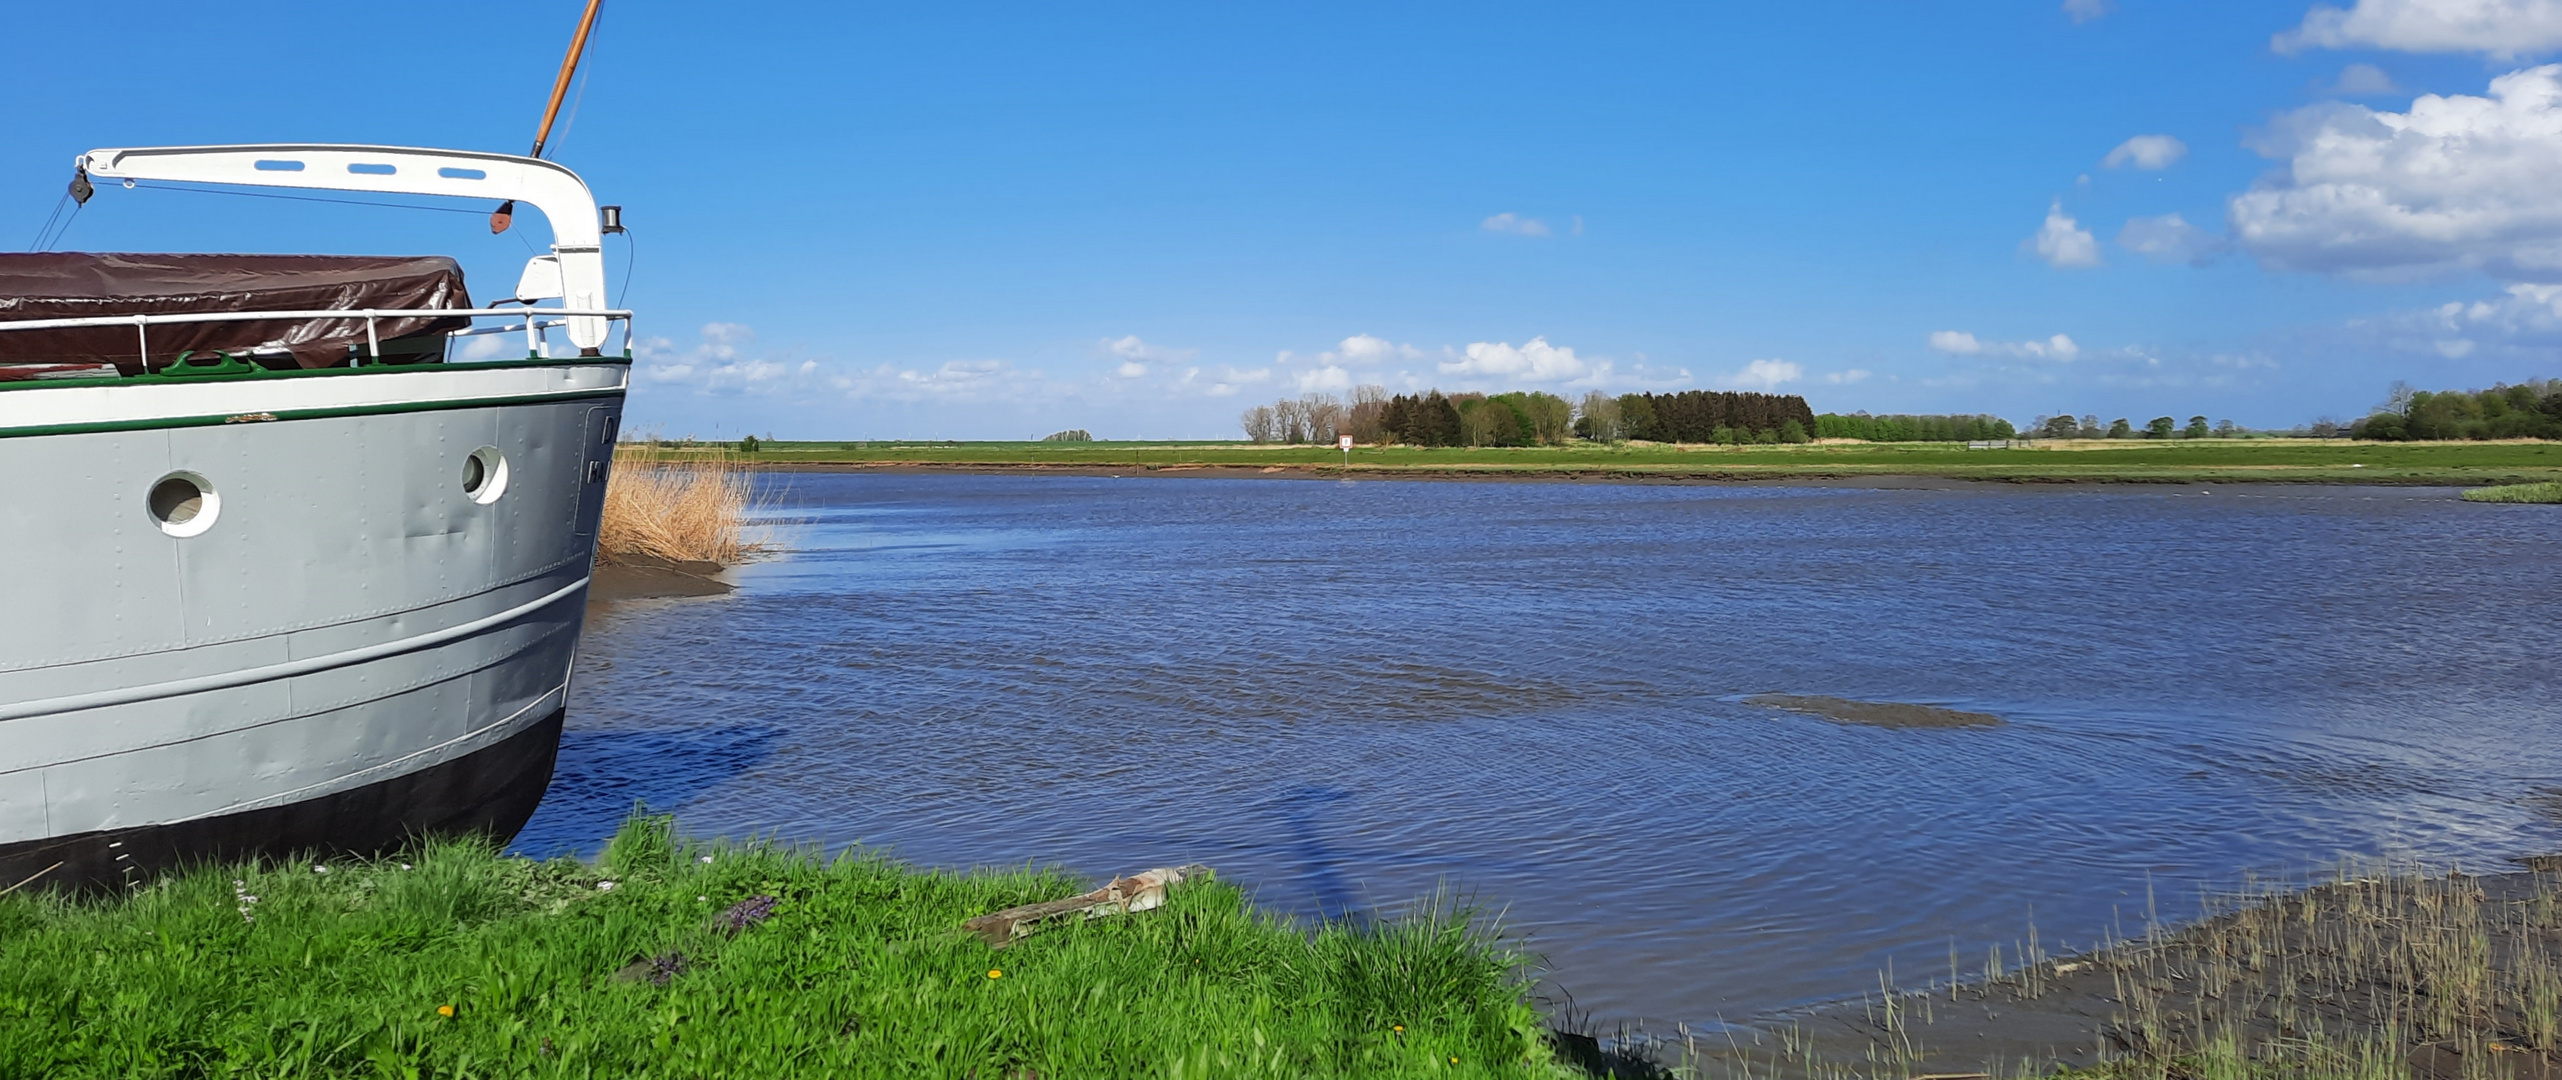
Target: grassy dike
x,y
462,963
2101,461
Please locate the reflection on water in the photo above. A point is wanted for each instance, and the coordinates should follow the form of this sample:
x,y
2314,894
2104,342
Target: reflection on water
x,y
1347,694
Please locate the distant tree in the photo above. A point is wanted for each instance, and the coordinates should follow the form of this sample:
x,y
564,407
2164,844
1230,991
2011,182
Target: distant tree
x,y
1486,423
2120,429
748,445
1261,424
1790,431
1070,435
1598,418
2160,427
1551,418
1324,416
2059,427
1430,420
2325,428
1637,417
2089,427
2397,399
2196,429
1366,420
2227,429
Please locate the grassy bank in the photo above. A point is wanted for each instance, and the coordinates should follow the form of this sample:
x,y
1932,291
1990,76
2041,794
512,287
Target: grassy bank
x,y
2548,492
461,963
2132,461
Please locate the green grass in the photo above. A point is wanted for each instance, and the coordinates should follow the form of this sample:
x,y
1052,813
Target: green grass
x,y
2135,461
2549,491
861,971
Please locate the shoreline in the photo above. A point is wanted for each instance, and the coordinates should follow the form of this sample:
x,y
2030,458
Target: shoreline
x,y
1775,476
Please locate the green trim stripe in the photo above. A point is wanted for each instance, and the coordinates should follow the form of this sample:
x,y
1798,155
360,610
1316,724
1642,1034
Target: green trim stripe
x,y
161,422
158,379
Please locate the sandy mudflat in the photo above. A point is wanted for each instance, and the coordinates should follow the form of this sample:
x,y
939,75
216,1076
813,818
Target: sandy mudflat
x,y
1888,714
644,577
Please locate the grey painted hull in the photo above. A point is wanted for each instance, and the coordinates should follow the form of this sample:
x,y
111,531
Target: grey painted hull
x,y
356,649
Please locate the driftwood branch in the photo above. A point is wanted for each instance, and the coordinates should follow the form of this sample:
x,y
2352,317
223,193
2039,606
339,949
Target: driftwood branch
x,y
1137,892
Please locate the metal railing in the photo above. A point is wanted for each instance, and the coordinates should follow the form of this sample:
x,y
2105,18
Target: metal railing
x,y
534,323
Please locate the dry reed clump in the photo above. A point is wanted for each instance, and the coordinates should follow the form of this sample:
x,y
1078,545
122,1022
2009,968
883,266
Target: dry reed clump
x,y
685,506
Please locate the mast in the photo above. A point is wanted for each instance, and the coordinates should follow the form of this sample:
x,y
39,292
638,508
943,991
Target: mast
x,y
505,215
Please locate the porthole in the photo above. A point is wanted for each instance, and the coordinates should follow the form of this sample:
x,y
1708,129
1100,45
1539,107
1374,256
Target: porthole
x,y
485,475
183,504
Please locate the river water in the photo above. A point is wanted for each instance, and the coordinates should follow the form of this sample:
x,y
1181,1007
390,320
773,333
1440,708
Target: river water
x,y
1346,695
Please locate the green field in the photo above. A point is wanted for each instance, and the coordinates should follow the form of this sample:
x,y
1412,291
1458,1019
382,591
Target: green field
x,y
460,963
2129,461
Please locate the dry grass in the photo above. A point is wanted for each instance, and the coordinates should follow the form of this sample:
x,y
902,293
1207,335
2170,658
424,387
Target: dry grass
x,y
2447,976
684,505
2373,974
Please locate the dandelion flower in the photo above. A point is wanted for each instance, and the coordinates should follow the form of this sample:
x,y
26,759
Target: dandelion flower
x,y
404,866
707,858
319,869
1454,1061
604,886
995,973
1398,1028
444,1010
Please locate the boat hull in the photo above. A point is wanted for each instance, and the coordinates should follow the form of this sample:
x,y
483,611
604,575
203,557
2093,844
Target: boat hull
x,y
367,643
488,792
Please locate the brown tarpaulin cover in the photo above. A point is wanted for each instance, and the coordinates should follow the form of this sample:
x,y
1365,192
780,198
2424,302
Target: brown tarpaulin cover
x,y
73,285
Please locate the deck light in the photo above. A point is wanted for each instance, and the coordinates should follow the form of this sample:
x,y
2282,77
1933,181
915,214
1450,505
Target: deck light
x,y
613,218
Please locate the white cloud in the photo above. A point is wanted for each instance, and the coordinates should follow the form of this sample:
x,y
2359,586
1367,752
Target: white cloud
x,y
1330,378
2151,153
2501,29
719,361
2083,11
1131,348
1515,224
2169,238
1764,375
1364,349
2524,321
1961,343
1845,378
1130,369
491,346
2362,80
958,380
1535,361
2062,242
2458,182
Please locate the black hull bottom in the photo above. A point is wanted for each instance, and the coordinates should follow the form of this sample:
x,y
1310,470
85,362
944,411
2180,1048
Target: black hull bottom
x,y
490,791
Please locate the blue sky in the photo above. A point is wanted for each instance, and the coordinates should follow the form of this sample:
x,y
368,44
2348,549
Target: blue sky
x,y
966,221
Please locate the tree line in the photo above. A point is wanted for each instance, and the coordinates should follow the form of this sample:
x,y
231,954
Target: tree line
x,y
2528,410
2064,426
2532,409
1536,418
1903,427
